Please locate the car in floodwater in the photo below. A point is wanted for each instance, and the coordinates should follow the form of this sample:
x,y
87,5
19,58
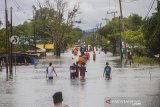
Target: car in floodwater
x,y
20,59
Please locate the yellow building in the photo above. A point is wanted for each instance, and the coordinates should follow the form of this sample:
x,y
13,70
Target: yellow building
x,y
46,46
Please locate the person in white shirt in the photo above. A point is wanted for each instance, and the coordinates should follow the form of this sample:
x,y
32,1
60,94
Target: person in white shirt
x,y
72,69
49,71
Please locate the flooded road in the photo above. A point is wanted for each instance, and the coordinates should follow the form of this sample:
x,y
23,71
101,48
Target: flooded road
x,y
30,88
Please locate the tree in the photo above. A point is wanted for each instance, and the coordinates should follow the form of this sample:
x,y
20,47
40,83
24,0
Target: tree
x,y
73,36
89,38
106,44
2,41
133,22
135,40
132,26
152,32
111,32
24,31
56,24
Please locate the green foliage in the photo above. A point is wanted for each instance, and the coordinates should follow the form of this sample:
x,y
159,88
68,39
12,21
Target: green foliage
x,y
104,31
133,22
106,44
73,36
89,38
21,48
105,41
152,33
144,60
51,24
134,38
2,41
111,28
132,32
24,29
52,21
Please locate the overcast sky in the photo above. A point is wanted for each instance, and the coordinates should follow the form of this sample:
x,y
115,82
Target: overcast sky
x,y
92,11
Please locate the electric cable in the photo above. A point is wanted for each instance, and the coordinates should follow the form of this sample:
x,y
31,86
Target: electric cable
x,y
150,9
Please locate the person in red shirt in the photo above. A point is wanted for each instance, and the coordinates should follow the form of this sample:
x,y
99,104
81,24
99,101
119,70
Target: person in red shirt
x,y
82,70
87,55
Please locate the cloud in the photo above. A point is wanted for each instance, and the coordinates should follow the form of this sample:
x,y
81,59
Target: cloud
x,y
140,7
92,11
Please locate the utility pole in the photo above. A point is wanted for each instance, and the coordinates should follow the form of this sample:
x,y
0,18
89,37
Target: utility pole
x,y
7,36
10,52
112,12
121,26
158,5
120,5
97,37
34,27
105,19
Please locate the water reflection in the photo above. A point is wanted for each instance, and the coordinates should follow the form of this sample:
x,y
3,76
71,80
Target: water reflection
x,y
30,87
50,81
82,81
74,82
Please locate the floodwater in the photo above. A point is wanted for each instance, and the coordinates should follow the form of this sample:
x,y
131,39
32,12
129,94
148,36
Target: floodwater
x,y
30,88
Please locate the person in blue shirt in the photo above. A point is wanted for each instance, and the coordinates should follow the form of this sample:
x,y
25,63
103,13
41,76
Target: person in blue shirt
x,y
107,71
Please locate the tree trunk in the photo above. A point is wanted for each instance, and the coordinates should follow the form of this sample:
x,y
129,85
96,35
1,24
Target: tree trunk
x,y
57,49
114,46
114,49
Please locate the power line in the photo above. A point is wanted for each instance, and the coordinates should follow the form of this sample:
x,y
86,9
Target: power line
x,y
16,4
19,8
115,5
150,9
19,1
16,17
2,10
151,19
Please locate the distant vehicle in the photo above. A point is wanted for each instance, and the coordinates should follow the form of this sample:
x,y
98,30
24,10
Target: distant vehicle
x,y
21,59
77,45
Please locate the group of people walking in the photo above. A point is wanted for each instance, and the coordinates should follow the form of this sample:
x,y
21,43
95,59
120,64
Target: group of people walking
x,y
78,68
75,69
84,52
57,97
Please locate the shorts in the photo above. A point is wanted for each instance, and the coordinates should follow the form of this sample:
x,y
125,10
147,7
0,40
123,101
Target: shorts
x,y
50,78
107,75
73,75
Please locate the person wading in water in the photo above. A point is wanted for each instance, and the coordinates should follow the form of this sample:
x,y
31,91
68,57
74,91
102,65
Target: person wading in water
x,y
107,71
49,71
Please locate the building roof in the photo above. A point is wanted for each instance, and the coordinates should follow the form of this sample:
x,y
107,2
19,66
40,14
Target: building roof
x,y
46,46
